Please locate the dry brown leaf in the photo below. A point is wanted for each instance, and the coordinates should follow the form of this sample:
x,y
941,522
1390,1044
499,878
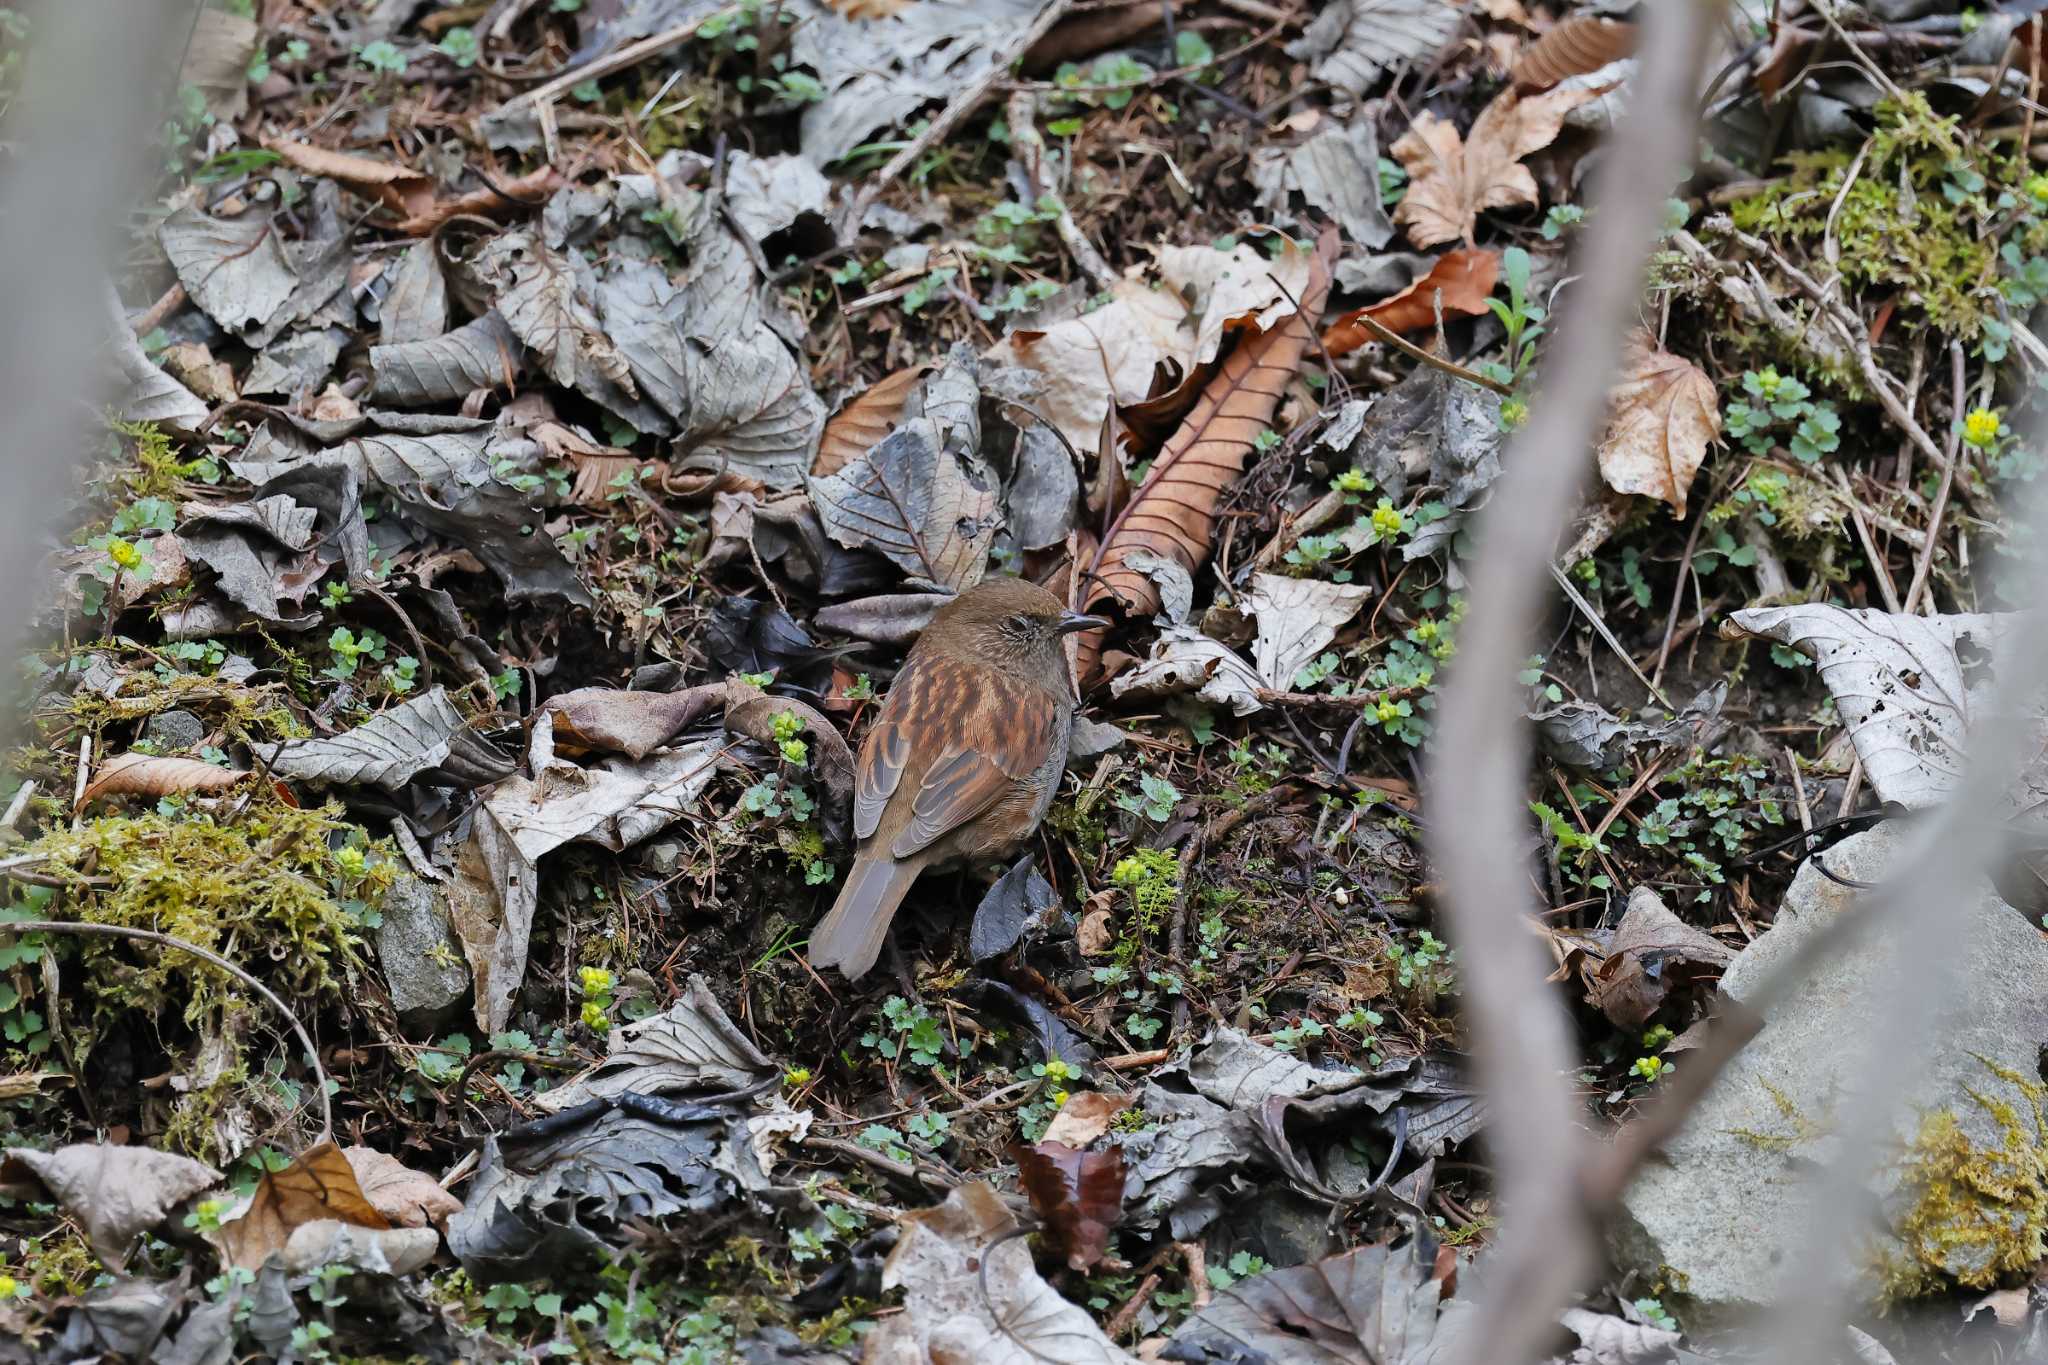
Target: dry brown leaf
x,y
404,191
319,1184
1652,950
856,428
1662,415
1452,178
1466,278
1582,43
1173,513
157,775
1085,1117
408,1198
192,364
1101,358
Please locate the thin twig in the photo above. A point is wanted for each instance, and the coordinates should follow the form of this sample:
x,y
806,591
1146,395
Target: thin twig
x,y
1450,367
1600,628
1924,568
632,54
58,926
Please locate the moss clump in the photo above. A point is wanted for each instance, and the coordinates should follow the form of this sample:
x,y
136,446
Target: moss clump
x,y
1979,1214
266,890
1914,217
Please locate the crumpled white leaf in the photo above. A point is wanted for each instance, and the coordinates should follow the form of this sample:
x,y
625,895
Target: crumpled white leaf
x,y
1907,687
1607,1340
1240,285
766,194
1107,356
1185,660
1335,170
1297,617
118,1193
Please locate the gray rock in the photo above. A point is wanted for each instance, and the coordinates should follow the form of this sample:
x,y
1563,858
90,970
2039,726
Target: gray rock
x,y
423,964
1729,1205
175,732
662,856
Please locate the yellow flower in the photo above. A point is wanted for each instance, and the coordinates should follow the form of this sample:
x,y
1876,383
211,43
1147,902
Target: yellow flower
x,y
2037,188
123,553
9,1287
594,1015
797,1075
596,980
1650,1068
1982,427
1387,521
1387,711
1060,1097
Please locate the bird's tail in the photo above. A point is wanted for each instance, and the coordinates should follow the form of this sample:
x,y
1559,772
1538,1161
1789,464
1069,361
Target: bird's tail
x,y
850,935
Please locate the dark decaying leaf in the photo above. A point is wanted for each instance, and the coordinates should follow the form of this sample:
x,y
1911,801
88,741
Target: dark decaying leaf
x,y
249,546
1434,430
1173,513
1045,1031
235,269
1077,1195
909,500
157,775
692,1046
415,307
547,1206
1652,951
1352,41
1377,1305
482,354
746,635
142,391
116,1193
1020,901
389,749
1573,47
856,1275
124,1319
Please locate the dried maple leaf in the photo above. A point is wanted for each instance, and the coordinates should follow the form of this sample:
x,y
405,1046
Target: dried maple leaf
x,y
1465,277
157,775
1452,178
858,427
1173,513
1661,417
1582,43
1079,1195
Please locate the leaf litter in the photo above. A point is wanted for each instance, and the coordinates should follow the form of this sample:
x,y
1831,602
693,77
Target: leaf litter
x,y
543,430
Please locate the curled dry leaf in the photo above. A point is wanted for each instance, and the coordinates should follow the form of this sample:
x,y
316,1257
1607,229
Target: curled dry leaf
x,y
117,1193
630,723
1452,178
157,775
319,1184
1101,358
1078,1195
1173,513
859,427
1582,43
1461,280
1652,950
408,1198
1085,1117
1662,415
406,192
909,500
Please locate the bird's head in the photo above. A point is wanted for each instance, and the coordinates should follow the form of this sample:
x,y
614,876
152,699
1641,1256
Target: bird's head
x,y
1010,620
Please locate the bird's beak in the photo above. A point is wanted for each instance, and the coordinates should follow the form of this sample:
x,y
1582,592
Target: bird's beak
x,y
1072,621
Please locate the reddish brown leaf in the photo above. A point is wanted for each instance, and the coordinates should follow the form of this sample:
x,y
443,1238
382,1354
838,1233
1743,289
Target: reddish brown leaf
x,y
1582,43
1078,1195
1173,513
853,430
1465,277
157,775
507,199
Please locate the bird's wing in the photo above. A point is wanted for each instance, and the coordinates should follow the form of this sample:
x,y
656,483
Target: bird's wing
x,y
966,735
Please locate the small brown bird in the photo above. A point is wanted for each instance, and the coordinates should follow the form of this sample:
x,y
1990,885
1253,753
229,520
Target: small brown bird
x,y
963,760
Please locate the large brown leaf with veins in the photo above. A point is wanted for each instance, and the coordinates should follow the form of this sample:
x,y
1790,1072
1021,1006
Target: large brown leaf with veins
x,y
1173,513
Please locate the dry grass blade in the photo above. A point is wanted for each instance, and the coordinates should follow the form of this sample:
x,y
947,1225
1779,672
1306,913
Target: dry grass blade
x,y
859,427
156,775
1582,43
1173,513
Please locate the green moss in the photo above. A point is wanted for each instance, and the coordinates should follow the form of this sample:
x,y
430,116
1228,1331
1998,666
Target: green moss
x,y
264,891
1911,219
1983,1208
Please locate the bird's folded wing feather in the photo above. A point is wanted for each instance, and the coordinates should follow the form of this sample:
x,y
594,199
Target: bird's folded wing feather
x,y
966,735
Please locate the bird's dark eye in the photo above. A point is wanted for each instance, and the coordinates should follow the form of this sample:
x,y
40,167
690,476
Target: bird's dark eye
x,y
1020,624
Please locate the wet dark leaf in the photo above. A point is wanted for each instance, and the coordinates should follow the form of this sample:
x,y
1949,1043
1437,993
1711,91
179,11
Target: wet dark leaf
x,y
1078,1195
